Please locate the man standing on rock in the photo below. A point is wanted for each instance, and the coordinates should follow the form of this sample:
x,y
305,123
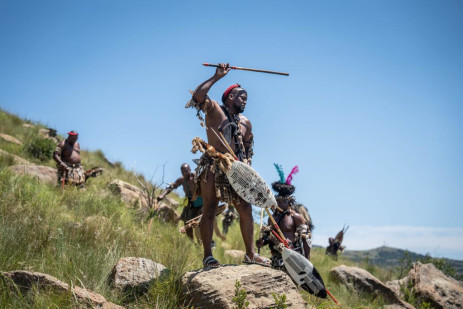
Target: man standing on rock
x,y
193,209
213,185
67,157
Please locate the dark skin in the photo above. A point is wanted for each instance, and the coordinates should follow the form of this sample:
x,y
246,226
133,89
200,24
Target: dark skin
x,y
190,176
186,174
288,226
188,184
71,152
215,118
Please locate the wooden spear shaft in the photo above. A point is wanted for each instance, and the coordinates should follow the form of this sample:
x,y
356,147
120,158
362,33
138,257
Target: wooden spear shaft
x,y
247,69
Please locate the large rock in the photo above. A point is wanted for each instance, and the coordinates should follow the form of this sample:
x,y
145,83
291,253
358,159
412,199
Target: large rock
x,y
236,254
171,202
168,214
362,281
49,133
430,285
34,281
10,139
215,288
135,274
130,194
16,159
45,174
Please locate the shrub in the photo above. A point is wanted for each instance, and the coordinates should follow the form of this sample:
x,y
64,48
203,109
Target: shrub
x,y
40,148
240,297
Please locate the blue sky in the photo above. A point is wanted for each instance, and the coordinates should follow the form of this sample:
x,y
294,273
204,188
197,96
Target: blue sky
x,y
371,112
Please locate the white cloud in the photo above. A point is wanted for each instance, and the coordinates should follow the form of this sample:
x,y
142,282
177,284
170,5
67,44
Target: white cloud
x,y
438,241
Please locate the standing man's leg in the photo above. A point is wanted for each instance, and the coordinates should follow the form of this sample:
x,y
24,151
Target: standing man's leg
x,y
210,204
247,226
189,233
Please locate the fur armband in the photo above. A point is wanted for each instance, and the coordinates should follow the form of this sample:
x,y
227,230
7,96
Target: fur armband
x,y
198,106
302,234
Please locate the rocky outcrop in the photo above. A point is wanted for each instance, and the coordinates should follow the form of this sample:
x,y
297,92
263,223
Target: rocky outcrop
x,y
167,214
16,159
49,133
131,274
10,139
129,194
430,285
215,288
170,201
236,254
44,174
360,280
27,281
133,196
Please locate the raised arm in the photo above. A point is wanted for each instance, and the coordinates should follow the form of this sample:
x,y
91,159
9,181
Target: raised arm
x,y
200,93
170,188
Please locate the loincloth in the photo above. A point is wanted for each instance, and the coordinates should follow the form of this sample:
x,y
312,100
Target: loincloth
x,y
223,189
190,212
74,174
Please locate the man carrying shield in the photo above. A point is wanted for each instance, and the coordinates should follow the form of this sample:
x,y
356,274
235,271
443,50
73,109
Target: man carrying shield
x,y
212,183
295,225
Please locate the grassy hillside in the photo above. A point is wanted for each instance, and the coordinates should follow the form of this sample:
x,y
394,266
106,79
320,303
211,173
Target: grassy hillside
x,y
78,236
394,258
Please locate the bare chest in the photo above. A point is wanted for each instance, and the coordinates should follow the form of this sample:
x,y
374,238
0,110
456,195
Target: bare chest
x,y
71,151
188,187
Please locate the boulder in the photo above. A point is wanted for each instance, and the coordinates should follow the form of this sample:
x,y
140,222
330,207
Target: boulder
x,y
430,285
360,280
49,133
10,139
16,159
28,125
168,214
236,254
45,174
171,202
129,194
35,281
215,288
135,274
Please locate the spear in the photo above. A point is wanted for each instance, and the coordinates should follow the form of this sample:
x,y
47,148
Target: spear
x,y
246,69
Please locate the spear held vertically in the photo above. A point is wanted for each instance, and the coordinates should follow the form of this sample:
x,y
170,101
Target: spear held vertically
x,y
246,69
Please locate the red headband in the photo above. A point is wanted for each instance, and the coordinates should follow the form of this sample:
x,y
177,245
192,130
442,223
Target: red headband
x,y
73,133
227,92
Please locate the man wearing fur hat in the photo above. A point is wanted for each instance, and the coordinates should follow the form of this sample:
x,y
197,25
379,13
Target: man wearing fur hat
x,y
67,157
224,120
295,226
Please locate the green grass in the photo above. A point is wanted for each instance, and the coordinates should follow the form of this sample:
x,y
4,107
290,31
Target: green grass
x,y
78,236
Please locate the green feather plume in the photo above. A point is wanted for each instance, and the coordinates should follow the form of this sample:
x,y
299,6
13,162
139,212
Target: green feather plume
x,y
280,172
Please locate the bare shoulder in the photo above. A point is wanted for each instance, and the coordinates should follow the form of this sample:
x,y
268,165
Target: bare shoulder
x,y
245,121
213,107
298,219
77,145
179,180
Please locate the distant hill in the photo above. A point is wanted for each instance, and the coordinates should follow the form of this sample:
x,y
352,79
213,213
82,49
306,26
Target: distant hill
x,y
390,257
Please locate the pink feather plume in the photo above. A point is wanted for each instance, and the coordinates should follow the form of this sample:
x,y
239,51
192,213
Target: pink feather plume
x,y
290,176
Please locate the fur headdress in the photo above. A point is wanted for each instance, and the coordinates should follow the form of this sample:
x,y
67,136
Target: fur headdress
x,y
283,187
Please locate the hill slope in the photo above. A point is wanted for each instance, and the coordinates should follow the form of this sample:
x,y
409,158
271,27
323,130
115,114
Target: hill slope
x,y
391,257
